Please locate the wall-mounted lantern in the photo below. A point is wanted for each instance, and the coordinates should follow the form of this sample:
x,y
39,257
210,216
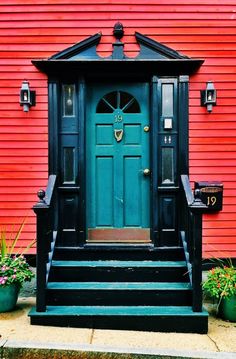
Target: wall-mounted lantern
x,y
208,96
27,96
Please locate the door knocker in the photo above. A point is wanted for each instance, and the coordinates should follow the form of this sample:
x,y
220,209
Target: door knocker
x,y
118,135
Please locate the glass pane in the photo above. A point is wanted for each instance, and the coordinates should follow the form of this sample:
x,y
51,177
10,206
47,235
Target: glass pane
x,y
111,98
104,107
69,100
124,99
167,165
69,164
167,100
132,107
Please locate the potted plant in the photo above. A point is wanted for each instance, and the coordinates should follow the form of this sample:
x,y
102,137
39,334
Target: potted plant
x,y
221,285
14,270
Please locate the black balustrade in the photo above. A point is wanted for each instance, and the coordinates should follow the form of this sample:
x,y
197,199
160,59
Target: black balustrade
x,y
46,217
191,234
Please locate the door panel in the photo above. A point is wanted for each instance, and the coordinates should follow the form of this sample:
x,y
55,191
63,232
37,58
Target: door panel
x,y
117,152
132,191
104,174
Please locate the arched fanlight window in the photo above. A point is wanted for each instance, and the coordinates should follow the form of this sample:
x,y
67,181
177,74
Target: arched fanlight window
x,y
118,100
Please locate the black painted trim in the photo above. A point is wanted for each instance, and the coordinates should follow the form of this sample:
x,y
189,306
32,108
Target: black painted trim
x,y
182,160
53,108
157,47
78,48
153,55
82,164
104,68
153,156
183,109
183,144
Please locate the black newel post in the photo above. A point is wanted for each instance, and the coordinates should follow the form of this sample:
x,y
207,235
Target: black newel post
x,y
41,210
197,209
197,263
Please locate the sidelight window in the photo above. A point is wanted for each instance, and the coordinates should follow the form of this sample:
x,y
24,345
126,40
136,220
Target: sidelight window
x,y
68,100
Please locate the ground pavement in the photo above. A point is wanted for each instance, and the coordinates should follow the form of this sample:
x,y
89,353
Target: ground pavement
x,y
19,339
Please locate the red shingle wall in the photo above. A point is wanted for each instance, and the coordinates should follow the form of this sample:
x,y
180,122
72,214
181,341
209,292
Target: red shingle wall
x,y
32,29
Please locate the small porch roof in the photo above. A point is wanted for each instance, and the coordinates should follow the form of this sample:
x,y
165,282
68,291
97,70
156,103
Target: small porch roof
x,y
153,58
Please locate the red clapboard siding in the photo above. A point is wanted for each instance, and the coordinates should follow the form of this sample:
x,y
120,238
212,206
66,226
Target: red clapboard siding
x,y
32,29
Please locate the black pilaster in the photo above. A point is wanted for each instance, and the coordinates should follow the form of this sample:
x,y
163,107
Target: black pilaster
x,y
82,167
154,156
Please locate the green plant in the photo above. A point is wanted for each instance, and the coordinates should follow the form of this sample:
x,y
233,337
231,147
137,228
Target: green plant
x,y
13,266
221,281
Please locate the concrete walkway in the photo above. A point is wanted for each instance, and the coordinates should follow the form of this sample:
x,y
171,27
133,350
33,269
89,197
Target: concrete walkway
x,y
21,340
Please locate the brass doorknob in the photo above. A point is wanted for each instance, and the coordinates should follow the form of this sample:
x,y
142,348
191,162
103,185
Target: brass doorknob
x,y
146,172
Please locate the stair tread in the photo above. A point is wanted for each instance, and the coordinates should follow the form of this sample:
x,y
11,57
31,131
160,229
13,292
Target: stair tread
x,y
119,285
118,311
117,263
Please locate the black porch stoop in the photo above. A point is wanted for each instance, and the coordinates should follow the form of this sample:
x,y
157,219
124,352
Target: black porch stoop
x,y
119,289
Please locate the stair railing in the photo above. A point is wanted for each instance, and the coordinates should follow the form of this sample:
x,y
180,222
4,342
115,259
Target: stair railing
x,y
191,235
46,233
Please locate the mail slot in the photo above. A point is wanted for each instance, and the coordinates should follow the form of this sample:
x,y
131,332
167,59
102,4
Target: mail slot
x,y
211,194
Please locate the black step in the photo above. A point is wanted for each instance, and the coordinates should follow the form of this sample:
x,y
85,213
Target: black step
x,y
115,270
118,293
106,252
144,318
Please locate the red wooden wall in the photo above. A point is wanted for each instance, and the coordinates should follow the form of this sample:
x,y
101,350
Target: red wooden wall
x,y
32,29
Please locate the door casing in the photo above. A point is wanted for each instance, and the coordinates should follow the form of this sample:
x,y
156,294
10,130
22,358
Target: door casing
x,y
77,235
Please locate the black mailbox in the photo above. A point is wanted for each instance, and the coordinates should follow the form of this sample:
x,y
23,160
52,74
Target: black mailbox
x,y
211,194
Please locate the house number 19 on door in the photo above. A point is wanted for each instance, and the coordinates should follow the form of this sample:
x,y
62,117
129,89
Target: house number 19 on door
x,y
118,118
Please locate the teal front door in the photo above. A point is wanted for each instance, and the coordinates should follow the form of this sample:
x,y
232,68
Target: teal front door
x,y
117,163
